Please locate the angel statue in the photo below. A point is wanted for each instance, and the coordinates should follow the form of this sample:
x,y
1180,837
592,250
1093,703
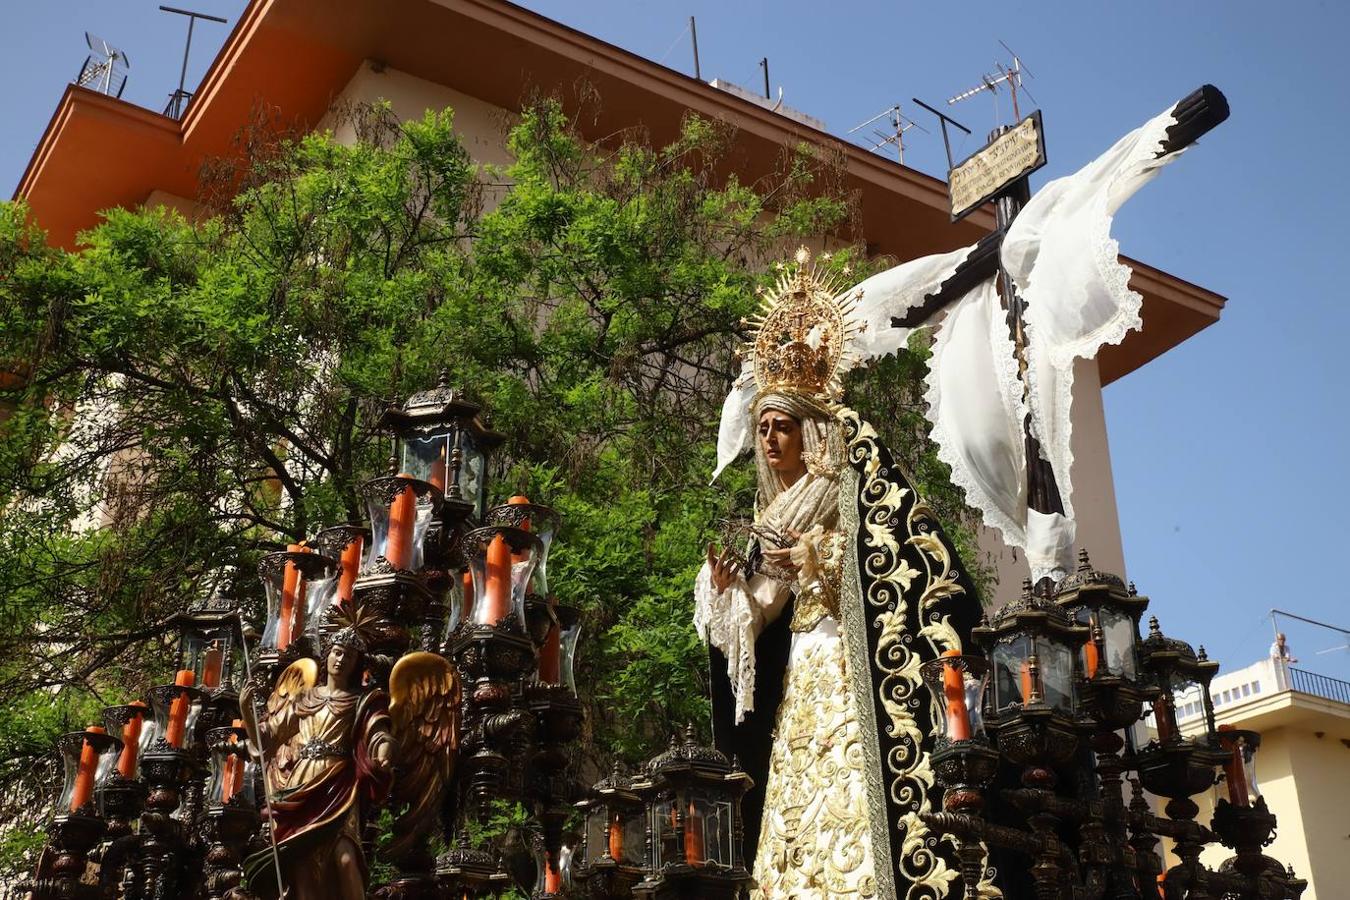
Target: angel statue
x,y
814,653
334,748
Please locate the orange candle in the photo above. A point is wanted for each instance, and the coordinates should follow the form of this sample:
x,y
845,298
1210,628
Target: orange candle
x,y
290,594
519,500
83,791
552,877
497,586
954,691
178,710
466,601
615,837
1163,719
1091,658
212,662
1233,770
693,836
234,769
398,548
1026,682
350,562
437,476
550,654
131,743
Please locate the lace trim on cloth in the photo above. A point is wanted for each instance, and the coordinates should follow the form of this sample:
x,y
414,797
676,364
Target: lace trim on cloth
x,y
729,621
1065,264
972,350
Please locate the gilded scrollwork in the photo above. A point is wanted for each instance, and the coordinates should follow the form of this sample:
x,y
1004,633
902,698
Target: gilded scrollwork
x,y
905,600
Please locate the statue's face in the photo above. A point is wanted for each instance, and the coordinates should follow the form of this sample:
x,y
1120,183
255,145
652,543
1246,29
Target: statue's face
x,y
342,664
780,439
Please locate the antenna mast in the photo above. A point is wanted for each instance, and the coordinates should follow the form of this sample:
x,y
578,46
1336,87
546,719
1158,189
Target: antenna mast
x,y
899,125
177,100
1009,75
99,74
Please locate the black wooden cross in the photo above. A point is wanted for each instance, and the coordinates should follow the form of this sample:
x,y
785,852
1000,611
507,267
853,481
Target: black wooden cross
x,y
1198,113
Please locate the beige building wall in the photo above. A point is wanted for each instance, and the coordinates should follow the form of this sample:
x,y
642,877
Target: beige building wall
x,y
1094,494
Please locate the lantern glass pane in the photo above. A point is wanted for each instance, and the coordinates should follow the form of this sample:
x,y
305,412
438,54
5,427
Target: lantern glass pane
x,y
717,837
1011,677
424,457
597,841
1119,635
634,837
72,768
1057,675
473,475
319,596
569,655
664,835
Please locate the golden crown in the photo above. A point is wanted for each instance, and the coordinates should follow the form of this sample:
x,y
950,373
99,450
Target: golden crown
x,y
804,329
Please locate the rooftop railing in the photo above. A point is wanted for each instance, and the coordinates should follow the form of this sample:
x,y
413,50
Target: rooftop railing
x,y
1319,685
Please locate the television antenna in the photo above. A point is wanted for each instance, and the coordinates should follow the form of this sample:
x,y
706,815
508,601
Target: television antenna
x,y
899,125
178,99
1009,75
104,66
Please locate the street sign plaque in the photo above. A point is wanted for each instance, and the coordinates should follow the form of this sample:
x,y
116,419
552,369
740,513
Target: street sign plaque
x,y
1013,155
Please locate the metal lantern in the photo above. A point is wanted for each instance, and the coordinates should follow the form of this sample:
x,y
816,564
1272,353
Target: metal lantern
x,y
1100,601
1032,645
614,842
210,644
441,439
400,509
693,797
501,560
288,577
1182,676
90,757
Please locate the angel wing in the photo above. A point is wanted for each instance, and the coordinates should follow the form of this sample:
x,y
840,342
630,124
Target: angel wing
x,y
297,678
424,696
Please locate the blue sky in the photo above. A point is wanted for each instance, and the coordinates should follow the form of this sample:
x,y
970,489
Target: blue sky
x,y
1229,452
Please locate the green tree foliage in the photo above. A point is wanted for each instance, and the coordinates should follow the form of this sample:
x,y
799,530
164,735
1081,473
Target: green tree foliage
x,y
194,394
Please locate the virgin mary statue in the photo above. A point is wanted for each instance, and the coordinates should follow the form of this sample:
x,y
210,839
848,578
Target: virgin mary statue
x,y
817,627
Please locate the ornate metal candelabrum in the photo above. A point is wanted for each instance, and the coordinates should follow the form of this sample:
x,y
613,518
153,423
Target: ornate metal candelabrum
x,y
1068,674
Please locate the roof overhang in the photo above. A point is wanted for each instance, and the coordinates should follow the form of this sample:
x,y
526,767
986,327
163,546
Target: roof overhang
x,y
285,62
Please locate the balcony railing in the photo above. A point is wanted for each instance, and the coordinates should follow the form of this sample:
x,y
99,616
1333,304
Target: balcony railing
x,y
1319,685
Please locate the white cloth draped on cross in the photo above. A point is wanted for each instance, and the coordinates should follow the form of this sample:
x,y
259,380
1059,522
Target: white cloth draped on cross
x,y
1064,263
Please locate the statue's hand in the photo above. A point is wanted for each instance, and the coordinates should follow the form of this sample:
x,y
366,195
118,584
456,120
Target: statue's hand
x,y
723,567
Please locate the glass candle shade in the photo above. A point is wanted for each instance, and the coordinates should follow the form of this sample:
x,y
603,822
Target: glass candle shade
x,y
175,708
570,626
134,725
346,544
532,517
553,874
1119,637
90,758
956,684
287,577
232,768
1034,668
667,844
1116,654
212,653
400,509
501,560
1238,785
707,830
597,832
320,597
